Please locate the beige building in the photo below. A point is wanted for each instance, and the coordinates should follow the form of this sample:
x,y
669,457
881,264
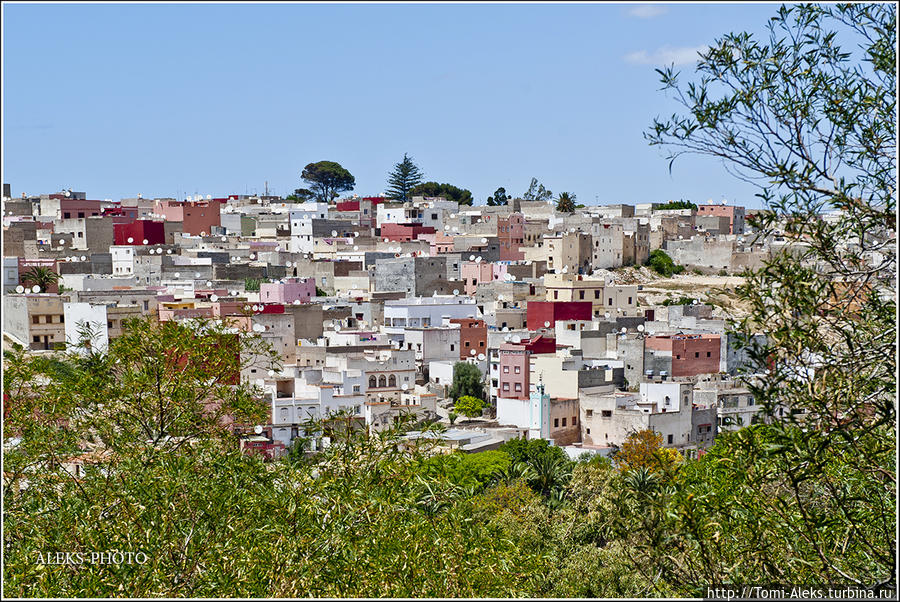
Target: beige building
x,y
35,320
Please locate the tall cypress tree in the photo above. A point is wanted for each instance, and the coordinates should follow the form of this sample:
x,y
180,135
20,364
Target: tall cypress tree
x,y
403,178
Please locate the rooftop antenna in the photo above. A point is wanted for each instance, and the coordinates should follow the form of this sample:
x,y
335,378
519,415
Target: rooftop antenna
x,y
267,188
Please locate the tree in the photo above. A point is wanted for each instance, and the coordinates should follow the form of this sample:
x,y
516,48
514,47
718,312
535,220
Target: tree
x,y
565,203
405,176
448,191
537,192
499,198
467,380
682,204
301,195
327,179
469,406
807,115
643,449
40,276
660,262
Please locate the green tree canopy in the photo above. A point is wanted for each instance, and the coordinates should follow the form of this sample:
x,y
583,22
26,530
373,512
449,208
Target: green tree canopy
x,y
660,262
499,198
405,176
40,276
448,191
682,204
467,380
327,179
565,203
469,406
537,192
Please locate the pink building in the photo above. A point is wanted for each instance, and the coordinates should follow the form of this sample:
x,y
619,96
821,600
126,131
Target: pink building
x,y
197,217
474,273
734,214
293,289
440,243
404,232
515,366
511,235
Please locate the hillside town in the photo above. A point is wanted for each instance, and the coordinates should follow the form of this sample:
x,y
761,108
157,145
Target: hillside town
x,y
373,305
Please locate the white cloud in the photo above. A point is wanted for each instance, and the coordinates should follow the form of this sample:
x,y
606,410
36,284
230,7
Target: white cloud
x,y
647,11
665,55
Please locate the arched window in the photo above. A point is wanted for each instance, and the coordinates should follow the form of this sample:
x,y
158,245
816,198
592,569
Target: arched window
x,y
382,381
372,382
392,381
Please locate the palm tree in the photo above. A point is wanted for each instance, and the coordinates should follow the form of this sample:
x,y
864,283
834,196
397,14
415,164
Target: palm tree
x,y
43,277
549,473
565,203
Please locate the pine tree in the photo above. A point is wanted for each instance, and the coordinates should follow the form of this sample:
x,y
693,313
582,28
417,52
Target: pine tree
x,y
403,178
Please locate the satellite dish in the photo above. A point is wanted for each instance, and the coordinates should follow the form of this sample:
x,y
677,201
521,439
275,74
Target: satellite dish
x,y
446,227
271,373
640,328
546,324
146,241
606,314
83,258
287,264
35,289
472,352
385,240
337,327
20,289
506,329
130,239
516,339
624,330
196,274
177,275
455,229
213,298
203,233
481,357
334,232
483,240
296,301
224,239
208,283
356,247
471,258
261,328
695,302
233,293
252,255
168,251
209,196
455,291
355,234
565,269
404,386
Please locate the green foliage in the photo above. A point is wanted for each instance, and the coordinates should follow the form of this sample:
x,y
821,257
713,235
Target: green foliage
x,y
531,450
40,276
252,284
499,198
321,292
565,203
468,470
327,179
467,380
807,114
682,204
452,416
660,262
405,176
301,195
447,191
469,406
537,192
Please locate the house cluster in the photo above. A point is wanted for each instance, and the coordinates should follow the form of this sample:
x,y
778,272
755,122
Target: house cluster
x,y
371,303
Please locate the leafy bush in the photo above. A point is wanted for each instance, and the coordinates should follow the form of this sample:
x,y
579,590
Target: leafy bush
x,y
660,262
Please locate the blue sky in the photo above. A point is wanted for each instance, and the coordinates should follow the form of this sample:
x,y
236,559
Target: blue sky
x,y
178,99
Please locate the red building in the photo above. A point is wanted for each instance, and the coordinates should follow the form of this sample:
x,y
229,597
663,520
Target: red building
x,y
77,208
404,232
197,217
472,337
139,231
734,214
692,354
540,312
515,367
511,232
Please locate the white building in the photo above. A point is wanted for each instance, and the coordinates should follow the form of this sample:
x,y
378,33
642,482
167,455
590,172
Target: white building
x,y
86,318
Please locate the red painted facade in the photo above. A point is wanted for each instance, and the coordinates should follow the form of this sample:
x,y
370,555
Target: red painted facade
x,y
404,232
139,231
515,367
511,235
692,354
472,336
551,311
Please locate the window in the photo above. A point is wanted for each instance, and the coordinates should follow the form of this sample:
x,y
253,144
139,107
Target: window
x,y
556,422
36,320
519,387
708,354
382,381
670,439
629,300
589,413
589,431
517,369
574,420
49,319
67,215
581,294
481,343
677,357
392,381
556,294
506,386
610,301
37,339
467,345
81,214
372,382
596,294
453,347
696,354
505,369
564,422
606,413
356,388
